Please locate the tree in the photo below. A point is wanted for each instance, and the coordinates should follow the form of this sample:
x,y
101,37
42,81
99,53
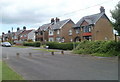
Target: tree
x,y
116,16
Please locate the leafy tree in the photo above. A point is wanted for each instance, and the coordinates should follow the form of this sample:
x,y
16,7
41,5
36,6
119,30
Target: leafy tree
x,y
116,16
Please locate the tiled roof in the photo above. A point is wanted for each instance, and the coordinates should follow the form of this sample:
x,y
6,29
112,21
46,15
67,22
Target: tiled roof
x,y
55,25
60,24
91,19
18,32
26,31
44,27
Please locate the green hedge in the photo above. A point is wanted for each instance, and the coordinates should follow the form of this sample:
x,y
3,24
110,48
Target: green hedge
x,y
62,46
108,48
33,44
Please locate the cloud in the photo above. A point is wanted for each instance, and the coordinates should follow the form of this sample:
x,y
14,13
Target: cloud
x,y
28,11
37,11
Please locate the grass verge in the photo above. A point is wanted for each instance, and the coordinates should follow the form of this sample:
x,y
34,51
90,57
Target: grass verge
x,y
47,50
0,71
20,46
8,73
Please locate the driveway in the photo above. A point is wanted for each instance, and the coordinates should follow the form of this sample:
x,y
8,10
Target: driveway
x,y
44,66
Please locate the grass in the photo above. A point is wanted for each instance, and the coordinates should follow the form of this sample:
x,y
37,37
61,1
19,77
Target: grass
x,y
8,73
47,50
20,46
101,55
0,71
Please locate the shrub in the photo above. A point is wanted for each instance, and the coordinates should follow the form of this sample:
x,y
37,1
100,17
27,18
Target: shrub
x,y
62,46
34,44
108,48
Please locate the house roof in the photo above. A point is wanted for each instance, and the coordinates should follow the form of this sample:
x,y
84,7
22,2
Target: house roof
x,y
18,32
90,19
26,32
55,25
60,24
44,27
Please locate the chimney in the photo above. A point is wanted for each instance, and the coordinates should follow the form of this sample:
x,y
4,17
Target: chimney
x,y
57,19
24,28
3,33
8,31
52,20
102,10
18,29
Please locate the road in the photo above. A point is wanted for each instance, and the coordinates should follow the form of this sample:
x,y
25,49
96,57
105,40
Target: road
x,y
44,66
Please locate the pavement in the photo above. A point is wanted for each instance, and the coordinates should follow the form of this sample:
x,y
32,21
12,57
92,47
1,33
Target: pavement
x,y
42,65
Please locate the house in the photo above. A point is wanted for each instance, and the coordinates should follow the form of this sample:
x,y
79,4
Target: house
x,y
27,35
41,33
8,36
16,37
94,27
61,31
56,31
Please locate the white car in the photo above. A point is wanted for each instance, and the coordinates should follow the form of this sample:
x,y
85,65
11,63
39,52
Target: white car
x,y
6,44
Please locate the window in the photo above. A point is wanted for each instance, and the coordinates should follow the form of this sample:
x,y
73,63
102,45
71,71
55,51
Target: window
x,y
87,29
63,40
58,39
50,32
71,39
88,38
58,31
77,31
70,32
41,33
51,39
24,35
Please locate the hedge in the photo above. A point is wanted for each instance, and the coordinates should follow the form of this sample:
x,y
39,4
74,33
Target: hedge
x,y
108,48
33,44
62,46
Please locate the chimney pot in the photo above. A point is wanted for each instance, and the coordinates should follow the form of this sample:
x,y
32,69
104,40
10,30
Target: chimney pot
x,y
18,29
57,19
24,28
52,20
102,9
8,31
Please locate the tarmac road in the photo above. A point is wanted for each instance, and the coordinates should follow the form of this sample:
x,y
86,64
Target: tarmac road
x,y
44,66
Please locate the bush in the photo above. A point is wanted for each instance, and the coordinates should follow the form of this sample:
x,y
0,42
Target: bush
x,y
108,48
33,44
62,46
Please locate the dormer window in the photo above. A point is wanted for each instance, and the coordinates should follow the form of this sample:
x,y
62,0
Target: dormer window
x,y
87,29
50,32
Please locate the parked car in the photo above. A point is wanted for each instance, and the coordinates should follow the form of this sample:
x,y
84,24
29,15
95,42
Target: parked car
x,y
6,44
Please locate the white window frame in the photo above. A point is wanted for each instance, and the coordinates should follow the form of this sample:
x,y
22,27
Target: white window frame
x,y
58,31
51,32
51,39
77,31
70,32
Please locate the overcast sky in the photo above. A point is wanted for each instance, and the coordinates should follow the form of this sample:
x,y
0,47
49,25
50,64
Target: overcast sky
x,y
34,13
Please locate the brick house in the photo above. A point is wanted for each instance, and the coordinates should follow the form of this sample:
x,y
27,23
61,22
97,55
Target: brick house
x,y
94,27
17,33
61,31
27,35
56,31
8,36
41,33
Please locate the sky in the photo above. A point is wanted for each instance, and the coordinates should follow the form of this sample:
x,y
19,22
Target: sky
x,y
34,13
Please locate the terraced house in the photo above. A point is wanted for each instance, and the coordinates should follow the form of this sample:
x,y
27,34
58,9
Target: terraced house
x,y
27,35
59,31
94,27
